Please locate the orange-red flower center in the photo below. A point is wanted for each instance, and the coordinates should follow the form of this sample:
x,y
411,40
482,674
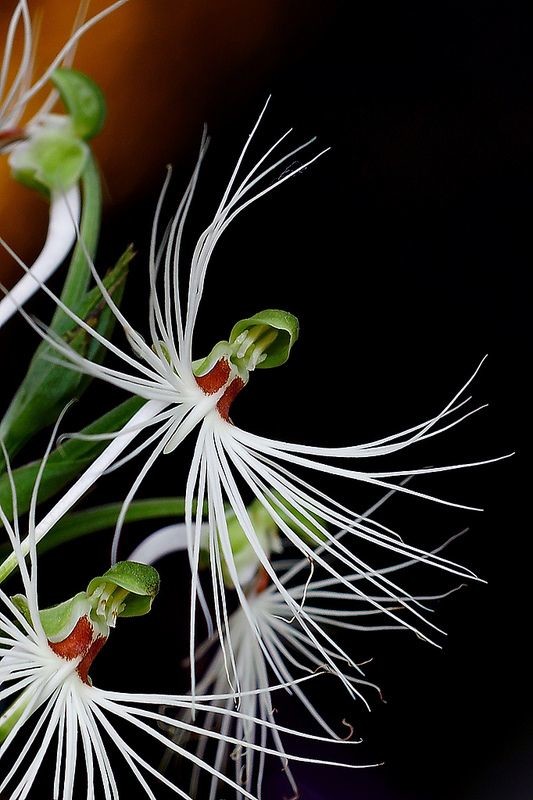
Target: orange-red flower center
x,y
215,379
82,641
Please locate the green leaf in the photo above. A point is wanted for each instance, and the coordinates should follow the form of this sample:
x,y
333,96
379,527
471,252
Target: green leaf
x,y
101,518
48,387
66,462
285,327
83,100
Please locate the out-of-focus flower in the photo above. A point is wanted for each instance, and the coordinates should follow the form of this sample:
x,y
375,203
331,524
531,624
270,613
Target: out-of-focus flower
x,y
280,647
18,85
47,152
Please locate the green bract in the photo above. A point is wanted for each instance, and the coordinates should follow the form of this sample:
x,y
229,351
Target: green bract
x,y
53,159
47,386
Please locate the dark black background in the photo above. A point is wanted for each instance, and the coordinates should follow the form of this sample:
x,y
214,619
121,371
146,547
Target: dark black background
x,y
405,252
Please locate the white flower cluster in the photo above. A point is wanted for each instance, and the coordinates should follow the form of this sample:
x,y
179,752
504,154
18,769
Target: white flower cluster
x,y
284,570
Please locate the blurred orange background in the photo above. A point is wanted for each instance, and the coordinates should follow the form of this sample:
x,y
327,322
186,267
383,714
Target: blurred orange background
x,y
164,66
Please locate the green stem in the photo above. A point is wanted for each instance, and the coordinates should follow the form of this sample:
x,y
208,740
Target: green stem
x,y
21,421
79,273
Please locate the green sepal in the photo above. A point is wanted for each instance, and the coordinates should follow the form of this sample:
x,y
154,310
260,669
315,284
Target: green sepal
x,y
50,161
141,581
127,589
83,99
298,523
259,342
47,386
58,621
26,177
203,365
21,603
65,462
244,556
285,324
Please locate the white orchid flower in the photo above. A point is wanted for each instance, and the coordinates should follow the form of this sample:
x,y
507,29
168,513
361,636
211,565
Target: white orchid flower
x,y
21,140
282,648
254,659
185,395
57,713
